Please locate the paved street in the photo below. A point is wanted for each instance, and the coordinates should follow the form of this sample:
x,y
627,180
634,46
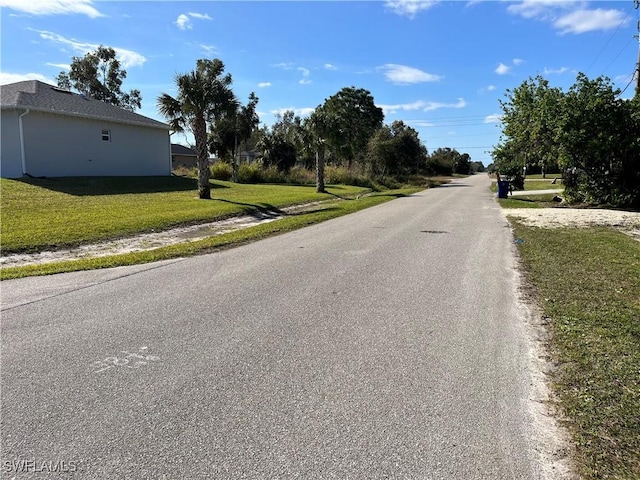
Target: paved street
x,y
384,344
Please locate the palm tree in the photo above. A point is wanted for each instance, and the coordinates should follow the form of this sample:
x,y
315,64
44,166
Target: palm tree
x,y
318,124
203,94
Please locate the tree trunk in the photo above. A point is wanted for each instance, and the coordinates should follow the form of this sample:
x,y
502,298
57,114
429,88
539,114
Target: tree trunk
x,y
320,168
200,134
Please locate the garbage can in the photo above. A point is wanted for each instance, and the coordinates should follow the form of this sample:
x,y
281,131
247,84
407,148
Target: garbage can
x,y
503,188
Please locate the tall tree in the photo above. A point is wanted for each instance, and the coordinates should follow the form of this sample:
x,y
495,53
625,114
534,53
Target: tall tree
x,y
204,95
529,120
395,150
99,75
354,118
319,126
233,127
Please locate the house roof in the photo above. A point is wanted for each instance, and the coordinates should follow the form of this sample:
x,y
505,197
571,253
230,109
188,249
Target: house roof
x,y
42,97
177,149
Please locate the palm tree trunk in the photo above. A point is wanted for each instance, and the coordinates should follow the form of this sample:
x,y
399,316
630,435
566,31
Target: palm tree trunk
x,y
320,168
200,134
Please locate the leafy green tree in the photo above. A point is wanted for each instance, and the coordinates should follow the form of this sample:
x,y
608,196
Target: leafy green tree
x,y
204,95
98,74
529,120
279,144
447,161
395,150
231,128
599,137
354,119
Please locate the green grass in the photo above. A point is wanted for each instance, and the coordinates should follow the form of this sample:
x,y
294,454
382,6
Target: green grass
x,y
321,213
39,214
542,185
588,282
529,201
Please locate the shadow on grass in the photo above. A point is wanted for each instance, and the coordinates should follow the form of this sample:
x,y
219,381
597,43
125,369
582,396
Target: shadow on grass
x,y
81,186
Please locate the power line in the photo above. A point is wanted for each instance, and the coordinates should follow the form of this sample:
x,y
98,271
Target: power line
x,y
608,41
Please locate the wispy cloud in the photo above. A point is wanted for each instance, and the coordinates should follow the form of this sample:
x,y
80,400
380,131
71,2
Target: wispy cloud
x,y
555,71
493,118
488,88
183,22
209,49
582,21
303,112
404,75
200,16
305,71
53,7
409,8
304,81
517,61
283,65
264,84
422,105
419,123
64,66
6,78
128,58
328,66
570,16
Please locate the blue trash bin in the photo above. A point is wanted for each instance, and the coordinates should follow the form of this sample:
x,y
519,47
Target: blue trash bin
x,y
503,188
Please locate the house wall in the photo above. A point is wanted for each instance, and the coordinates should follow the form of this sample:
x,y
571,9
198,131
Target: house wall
x,y
187,161
60,146
10,152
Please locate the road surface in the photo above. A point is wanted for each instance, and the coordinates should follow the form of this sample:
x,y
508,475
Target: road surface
x,y
383,344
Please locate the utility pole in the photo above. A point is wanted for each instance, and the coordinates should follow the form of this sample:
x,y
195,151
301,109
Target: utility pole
x,y
637,5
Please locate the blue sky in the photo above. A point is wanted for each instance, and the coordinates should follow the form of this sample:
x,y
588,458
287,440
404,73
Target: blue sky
x,y
440,66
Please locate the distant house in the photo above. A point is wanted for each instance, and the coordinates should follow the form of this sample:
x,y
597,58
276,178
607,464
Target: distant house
x,y
248,156
50,132
182,156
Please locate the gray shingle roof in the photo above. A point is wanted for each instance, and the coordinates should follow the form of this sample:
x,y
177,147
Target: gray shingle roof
x,y
177,149
39,96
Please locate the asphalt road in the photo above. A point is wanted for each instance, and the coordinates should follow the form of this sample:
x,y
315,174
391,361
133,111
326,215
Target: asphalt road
x,y
383,344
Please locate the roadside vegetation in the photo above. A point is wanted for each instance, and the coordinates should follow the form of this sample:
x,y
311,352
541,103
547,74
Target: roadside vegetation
x,y
587,284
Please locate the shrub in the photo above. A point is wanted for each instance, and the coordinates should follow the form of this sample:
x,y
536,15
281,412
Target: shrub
x,y
221,171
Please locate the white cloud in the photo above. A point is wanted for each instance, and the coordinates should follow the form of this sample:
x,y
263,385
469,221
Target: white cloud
x,y
6,78
304,81
183,22
420,123
409,8
283,65
328,66
128,58
209,49
422,105
502,69
493,118
200,16
517,61
556,71
64,66
303,112
264,84
582,21
403,75
570,16
305,71
53,7
491,88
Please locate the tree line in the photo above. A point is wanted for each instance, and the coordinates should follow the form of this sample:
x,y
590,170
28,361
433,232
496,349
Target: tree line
x,y
347,129
588,133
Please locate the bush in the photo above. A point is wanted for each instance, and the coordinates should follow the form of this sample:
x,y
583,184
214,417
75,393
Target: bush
x,y
221,171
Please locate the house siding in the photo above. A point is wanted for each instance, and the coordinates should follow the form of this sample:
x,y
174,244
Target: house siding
x,y
61,146
10,151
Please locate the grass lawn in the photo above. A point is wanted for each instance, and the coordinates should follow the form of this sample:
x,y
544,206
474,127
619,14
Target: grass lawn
x,y
533,185
529,201
46,213
588,282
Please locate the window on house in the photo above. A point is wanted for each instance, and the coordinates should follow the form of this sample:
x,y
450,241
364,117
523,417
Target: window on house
x,y
106,135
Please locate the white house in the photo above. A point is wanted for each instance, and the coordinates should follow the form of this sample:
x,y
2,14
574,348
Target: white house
x,y
46,131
